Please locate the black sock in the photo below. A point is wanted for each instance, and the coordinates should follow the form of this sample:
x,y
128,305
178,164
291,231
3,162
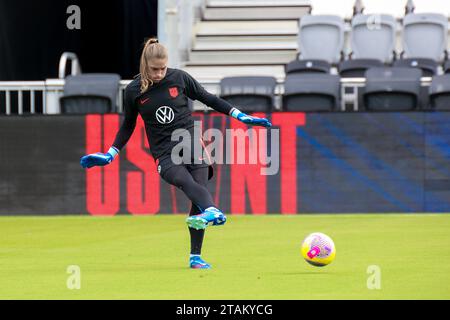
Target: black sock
x,y
196,235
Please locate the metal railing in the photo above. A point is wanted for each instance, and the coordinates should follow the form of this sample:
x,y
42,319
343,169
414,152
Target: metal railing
x,y
44,94
75,66
7,89
47,93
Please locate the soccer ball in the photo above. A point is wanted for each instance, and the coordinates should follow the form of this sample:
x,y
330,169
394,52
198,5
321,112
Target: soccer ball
x,y
318,249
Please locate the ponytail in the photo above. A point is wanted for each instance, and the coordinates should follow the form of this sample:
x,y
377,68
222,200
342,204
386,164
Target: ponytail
x,y
152,50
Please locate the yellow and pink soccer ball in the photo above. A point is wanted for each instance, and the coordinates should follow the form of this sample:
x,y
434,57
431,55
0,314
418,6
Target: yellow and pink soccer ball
x,y
318,249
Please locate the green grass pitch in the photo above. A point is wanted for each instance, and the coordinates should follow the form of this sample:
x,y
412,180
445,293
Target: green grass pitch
x,y
253,257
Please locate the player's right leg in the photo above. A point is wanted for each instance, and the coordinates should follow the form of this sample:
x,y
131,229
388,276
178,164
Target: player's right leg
x,y
180,177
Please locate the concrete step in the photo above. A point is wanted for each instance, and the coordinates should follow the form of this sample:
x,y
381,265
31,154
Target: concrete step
x,y
241,12
241,57
245,42
249,28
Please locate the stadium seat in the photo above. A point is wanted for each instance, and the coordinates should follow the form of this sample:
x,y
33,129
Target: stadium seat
x,y
249,94
311,92
318,56
392,89
90,93
372,46
430,26
440,93
329,29
429,67
358,67
425,55
307,66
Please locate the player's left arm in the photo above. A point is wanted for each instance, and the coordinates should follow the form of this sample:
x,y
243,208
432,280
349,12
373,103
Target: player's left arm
x,y
195,91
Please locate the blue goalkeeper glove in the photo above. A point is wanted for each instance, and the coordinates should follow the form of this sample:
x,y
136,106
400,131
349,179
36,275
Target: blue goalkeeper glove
x,y
245,118
99,159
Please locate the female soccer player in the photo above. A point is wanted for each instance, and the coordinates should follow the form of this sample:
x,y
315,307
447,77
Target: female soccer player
x,y
160,95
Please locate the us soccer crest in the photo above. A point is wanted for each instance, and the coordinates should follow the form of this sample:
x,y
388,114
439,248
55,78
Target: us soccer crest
x,y
173,92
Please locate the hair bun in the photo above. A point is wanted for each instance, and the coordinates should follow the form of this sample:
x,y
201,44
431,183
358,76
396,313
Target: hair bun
x,y
153,40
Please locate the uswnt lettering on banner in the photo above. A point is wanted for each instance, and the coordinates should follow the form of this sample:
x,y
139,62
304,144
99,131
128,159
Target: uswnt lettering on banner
x,y
131,184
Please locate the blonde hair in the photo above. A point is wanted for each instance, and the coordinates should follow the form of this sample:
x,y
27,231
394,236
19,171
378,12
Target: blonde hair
x,y
152,50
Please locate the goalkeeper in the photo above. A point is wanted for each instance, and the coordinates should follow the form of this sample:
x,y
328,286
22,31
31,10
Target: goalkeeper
x,y
160,96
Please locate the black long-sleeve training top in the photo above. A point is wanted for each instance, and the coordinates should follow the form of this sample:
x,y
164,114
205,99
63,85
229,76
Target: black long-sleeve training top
x,y
164,108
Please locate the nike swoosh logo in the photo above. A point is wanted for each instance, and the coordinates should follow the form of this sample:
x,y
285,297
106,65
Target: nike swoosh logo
x,y
145,100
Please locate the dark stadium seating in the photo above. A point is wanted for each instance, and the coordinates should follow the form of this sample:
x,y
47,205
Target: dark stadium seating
x,y
392,89
250,94
90,93
311,92
309,86
440,93
307,66
429,67
358,67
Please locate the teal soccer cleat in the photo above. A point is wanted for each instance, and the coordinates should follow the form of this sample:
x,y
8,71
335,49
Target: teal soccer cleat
x,y
211,216
196,262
